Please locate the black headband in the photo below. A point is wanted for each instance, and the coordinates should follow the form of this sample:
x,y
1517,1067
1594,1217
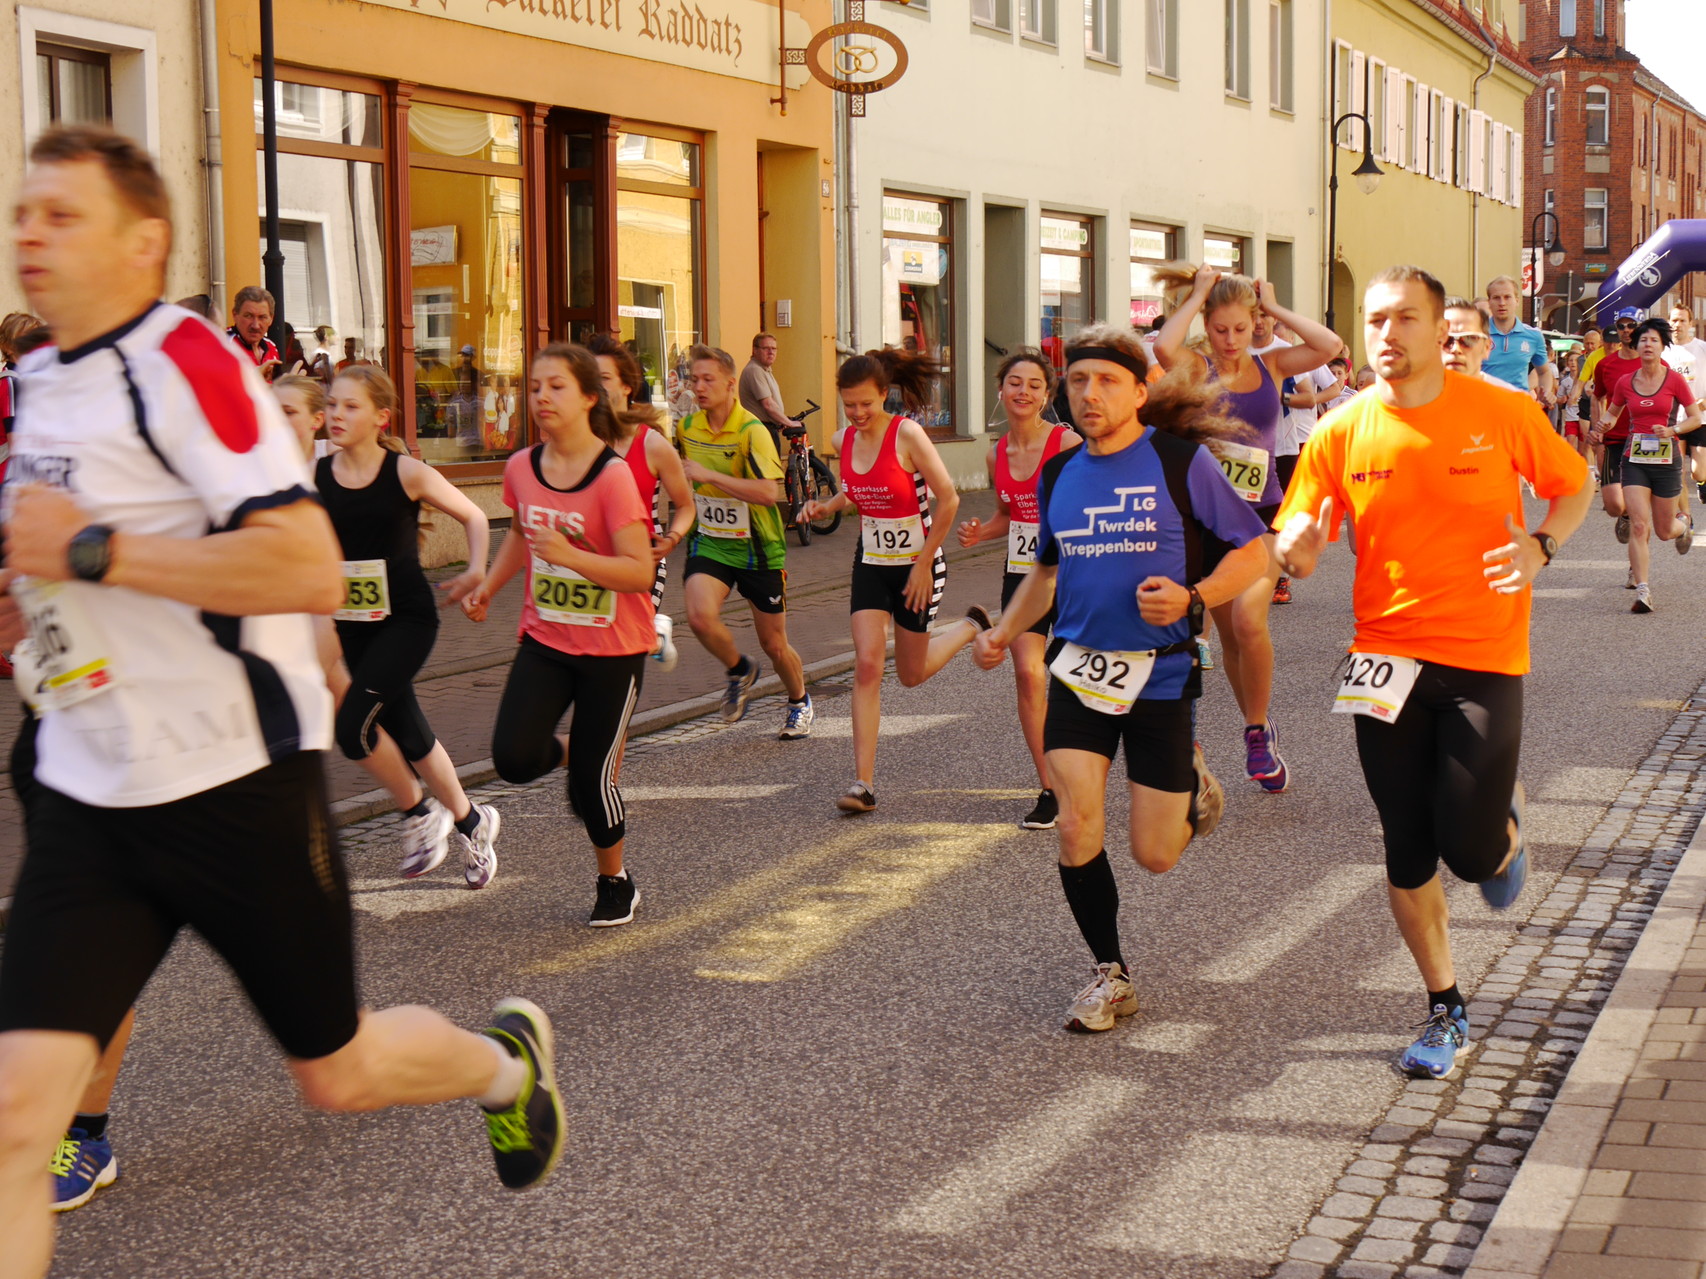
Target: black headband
x,y
1113,355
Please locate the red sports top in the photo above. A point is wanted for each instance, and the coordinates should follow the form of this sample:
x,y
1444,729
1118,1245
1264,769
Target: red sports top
x,y
645,479
888,491
1020,496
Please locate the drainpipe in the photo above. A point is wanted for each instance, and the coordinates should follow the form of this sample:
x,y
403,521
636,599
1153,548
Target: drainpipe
x,y
1328,110
850,153
1475,196
213,162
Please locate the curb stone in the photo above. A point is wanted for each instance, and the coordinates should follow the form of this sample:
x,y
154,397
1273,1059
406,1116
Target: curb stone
x,y
1449,1151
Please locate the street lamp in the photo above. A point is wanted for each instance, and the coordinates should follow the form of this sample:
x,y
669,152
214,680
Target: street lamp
x,y
1555,256
1367,174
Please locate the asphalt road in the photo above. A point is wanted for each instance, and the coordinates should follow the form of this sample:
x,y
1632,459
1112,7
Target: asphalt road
x,y
832,1046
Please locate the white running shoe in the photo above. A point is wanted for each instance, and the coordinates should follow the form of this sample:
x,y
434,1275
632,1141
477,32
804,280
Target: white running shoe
x,y
426,839
480,851
667,655
1685,539
1643,599
1110,995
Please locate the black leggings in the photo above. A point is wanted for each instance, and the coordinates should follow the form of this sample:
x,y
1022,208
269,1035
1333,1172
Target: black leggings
x,y
1443,773
383,660
544,684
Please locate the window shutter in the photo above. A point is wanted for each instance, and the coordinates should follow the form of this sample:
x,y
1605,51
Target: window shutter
x,y
1359,98
1394,116
1477,152
1447,140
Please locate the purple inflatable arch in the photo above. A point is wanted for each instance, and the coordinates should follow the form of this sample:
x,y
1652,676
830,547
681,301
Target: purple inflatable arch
x,y
1675,249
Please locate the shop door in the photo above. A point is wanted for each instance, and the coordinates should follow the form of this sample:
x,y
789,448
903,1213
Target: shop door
x,y
581,246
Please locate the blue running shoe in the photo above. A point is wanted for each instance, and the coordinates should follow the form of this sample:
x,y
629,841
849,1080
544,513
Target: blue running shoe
x,y
1502,890
1444,1038
81,1166
1261,759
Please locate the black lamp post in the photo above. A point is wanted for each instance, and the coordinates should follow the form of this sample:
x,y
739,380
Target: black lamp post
x,y
273,258
1367,174
1554,256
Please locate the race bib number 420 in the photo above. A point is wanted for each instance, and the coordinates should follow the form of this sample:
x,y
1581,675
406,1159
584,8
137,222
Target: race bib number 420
x,y
1376,685
1021,546
367,592
1105,682
892,541
723,517
1246,469
561,595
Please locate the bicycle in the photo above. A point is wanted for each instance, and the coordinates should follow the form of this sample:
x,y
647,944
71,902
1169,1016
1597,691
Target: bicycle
x,y
808,476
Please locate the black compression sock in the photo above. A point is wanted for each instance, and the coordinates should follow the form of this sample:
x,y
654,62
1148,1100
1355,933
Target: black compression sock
x,y
471,822
1451,998
95,1126
419,810
741,667
1095,901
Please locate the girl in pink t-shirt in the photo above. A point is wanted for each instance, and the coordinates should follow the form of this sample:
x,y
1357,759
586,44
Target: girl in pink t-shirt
x,y
583,536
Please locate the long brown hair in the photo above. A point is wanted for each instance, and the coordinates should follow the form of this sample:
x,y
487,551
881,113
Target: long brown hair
x,y
381,392
1027,355
627,367
1179,403
1230,290
912,371
604,420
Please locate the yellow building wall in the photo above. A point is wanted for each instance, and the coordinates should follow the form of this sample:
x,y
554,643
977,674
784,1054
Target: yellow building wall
x,y
1411,218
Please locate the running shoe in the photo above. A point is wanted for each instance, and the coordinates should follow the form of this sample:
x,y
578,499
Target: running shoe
x,y
978,616
1502,890
1261,758
1110,995
859,798
480,850
526,1137
1205,655
618,899
1685,539
739,691
1629,585
1282,591
1643,599
667,655
1044,815
426,839
81,1165
1622,529
1209,802
798,722
1444,1038
1701,487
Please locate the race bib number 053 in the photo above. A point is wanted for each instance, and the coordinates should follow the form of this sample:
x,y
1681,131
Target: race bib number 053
x,y
564,596
723,517
1650,450
1105,682
367,592
1376,686
1246,469
1021,546
892,541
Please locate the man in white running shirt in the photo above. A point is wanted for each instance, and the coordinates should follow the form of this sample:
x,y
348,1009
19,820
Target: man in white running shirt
x,y
1687,355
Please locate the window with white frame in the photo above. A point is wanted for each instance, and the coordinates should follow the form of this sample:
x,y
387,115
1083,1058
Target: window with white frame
x,y
1515,166
1101,30
1551,115
992,13
1567,19
1161,36
1036,20
1238,48
74,86
1415,125
1281,95
1342,61
1595,205
1460,152
77,70
1375,97
1436,132
1599,17
1599,116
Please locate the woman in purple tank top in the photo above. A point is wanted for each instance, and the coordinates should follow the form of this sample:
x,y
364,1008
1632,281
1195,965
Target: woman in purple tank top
x,y
1230,306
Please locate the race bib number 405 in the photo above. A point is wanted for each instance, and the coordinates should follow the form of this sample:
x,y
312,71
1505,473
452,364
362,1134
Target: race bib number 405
x,y
1376,686
68,654
561,595
1021,546
892,541
367,592
1650,450
723,517
1106,682
1246,469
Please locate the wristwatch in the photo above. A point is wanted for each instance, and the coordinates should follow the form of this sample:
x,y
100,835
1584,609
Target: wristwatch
x,y
89,553
1548,544
1194,612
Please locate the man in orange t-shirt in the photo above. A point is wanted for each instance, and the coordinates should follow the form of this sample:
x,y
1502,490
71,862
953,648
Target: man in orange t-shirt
x,y
1427,465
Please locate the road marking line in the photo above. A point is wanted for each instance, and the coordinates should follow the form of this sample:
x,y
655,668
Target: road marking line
x,y
1169,1036
1293,923
978,1193
841,726
1562,592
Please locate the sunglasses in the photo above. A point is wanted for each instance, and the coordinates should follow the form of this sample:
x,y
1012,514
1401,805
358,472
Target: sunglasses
x,y
1626,324
1465,340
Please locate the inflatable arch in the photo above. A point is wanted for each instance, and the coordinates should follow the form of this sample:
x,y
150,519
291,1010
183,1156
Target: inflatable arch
x,y
1674,250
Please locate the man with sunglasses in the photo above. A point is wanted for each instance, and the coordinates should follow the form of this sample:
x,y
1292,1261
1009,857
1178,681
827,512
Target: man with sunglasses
x,y
1467,341
1610,427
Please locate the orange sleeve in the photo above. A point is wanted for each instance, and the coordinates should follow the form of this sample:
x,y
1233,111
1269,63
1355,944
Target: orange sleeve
x,y
1320,467
1542,456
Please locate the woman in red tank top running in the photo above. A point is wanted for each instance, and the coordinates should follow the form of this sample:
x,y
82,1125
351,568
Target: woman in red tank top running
x,y
889,469
1025,384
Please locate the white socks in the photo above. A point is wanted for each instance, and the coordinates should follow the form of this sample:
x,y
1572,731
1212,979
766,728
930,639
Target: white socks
x,y
507,1083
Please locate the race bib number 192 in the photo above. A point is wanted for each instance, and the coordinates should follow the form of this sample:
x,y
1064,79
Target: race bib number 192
x,y
892,542
1376,686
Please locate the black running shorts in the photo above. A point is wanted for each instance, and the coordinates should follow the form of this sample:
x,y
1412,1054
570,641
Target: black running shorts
x,y
1157,736
766,589
1663,481
253,866
882,588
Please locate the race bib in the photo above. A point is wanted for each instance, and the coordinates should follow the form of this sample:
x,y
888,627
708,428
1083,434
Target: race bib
x,y
1106,682
367,592
1246,468
563,595
1021,546
67,659
723,517
1650,450
892,542
1376,686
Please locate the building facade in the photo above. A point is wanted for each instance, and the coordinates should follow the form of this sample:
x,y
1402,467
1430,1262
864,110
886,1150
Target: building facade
x,y
137,67
1443,86
1619,155
463,183
1040,157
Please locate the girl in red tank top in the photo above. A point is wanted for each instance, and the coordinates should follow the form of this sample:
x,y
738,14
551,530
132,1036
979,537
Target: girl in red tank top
x,y
889,469
1025,385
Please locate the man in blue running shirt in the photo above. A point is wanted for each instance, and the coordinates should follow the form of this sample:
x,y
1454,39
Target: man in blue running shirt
x,y
1517,347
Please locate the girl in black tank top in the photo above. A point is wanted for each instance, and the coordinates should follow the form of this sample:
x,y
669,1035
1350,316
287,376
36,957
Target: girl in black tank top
x,y
373,494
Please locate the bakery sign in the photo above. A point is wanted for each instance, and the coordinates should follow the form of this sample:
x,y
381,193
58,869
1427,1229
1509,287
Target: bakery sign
x,y
737,38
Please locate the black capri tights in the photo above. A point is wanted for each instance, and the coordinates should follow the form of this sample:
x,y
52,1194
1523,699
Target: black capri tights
x,y
544,684
383,660
1443,773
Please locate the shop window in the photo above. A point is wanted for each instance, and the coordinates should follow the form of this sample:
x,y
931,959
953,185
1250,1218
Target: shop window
x,y
74,86
1152,245
659,256
918,284
1225,252
465,283
1068,281
1161,36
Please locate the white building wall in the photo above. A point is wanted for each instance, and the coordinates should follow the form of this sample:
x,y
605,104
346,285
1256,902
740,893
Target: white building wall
x,y
992,119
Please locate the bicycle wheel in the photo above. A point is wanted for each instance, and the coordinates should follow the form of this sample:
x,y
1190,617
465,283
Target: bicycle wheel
x,y
824,487
799,491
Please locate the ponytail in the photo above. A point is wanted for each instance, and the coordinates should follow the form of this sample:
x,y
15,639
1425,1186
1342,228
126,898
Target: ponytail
x,y
912,371
381,392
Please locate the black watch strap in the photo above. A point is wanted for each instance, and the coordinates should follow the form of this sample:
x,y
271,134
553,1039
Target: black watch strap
x,y
89,553
1548,544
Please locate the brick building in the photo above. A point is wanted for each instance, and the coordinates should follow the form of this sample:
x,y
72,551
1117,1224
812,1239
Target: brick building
x,y
1614,153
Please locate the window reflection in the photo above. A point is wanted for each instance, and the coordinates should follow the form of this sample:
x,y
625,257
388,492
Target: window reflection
x,y
472,135
657,294
323,115
917,296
